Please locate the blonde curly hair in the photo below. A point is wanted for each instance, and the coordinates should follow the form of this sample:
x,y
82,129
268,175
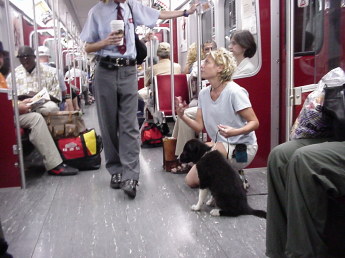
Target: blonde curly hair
x,y
225,58
191,56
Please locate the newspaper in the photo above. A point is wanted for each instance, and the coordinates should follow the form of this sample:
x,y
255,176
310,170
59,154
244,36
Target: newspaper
x,y
39,99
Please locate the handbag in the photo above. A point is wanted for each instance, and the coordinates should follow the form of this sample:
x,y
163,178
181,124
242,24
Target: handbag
x,y
311,121
82,152
139,45
151,136
334,110
63,124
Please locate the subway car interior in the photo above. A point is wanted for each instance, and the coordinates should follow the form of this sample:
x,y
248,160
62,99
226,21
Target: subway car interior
x,y
43,214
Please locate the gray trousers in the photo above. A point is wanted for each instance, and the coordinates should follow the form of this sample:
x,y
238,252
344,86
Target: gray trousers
x,y
302,174
41,138
117,103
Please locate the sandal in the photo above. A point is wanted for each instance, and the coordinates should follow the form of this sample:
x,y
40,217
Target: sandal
x,y
183,169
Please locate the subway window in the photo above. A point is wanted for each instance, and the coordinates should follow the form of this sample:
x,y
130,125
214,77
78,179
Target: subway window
x,y
241,31
308,27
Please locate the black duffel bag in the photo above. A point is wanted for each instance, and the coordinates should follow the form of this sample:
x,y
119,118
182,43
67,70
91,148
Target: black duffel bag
x,y
334,109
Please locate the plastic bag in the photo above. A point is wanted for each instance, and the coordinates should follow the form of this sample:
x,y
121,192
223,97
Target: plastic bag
x,y
310,122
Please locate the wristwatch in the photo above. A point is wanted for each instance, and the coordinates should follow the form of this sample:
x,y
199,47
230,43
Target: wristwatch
x,y
185,14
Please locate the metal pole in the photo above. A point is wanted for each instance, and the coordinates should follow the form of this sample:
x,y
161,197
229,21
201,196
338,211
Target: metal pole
x,y
172,81
38,68
289,66
198,44
14,93
56,38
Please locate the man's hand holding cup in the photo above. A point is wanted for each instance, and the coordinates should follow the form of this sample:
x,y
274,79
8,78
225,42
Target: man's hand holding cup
x,y
117,28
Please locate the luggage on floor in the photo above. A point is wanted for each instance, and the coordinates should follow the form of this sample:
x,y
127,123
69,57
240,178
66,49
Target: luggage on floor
x,y
82,152
65,124
151,136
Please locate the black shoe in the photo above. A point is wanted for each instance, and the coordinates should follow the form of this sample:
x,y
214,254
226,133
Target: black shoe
x,y
63,170
130,187
115,181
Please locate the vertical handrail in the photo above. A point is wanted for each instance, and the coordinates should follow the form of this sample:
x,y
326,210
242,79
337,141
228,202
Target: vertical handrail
x,y
14,92
38,65
172,81
57,42
289,66
198,46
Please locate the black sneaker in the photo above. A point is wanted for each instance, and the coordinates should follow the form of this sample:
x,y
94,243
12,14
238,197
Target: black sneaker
x,y
63,170
130,187
115,181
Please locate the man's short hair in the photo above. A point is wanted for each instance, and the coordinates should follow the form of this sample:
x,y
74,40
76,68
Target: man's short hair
x,y
163,50
214,44
25,51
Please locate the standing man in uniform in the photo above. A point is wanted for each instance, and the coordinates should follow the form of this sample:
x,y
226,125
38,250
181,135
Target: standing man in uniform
x,y
116,83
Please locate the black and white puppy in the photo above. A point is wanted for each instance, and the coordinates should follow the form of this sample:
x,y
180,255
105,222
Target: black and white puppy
x,y
216,175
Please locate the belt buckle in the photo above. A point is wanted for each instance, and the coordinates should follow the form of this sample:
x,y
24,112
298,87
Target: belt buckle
x,y
117,60
127,61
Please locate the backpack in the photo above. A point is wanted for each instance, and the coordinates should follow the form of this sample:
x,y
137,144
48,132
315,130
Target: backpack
x,y
151,136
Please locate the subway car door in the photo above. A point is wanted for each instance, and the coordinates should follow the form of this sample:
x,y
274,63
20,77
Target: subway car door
x,y
319,46
263,88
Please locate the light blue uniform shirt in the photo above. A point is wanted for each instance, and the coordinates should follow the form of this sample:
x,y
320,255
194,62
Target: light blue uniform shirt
x,y
97,26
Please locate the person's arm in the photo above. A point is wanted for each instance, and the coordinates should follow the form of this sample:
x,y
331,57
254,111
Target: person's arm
x,y
147,79
252,124
174,14
112,39
198,124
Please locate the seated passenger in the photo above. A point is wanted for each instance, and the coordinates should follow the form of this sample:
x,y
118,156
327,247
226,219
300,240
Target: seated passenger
x,y
71,78
39,134
191,58
243,47
44,55
224,110
182,132
161,68
302,175
28,83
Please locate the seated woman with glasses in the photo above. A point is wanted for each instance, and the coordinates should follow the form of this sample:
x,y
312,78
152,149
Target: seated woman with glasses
x,y
224,110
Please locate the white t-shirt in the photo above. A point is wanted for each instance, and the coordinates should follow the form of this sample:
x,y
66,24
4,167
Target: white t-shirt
x,y
224,110
245,67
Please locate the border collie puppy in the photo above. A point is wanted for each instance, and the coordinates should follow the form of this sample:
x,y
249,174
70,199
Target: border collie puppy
x,y
216,175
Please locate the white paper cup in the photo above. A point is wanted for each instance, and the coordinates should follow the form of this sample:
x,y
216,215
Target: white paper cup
x,y
118,26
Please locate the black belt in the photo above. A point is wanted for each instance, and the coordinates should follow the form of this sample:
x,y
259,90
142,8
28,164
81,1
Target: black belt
x,y
112,63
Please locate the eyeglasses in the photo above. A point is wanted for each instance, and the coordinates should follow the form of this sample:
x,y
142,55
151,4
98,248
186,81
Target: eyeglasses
x,y
25,56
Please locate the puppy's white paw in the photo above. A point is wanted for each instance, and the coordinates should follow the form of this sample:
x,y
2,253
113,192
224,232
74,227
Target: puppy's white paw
x,y
195,207
215,212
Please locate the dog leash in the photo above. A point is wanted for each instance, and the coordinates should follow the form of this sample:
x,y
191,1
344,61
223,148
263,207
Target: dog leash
x,y
227,139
